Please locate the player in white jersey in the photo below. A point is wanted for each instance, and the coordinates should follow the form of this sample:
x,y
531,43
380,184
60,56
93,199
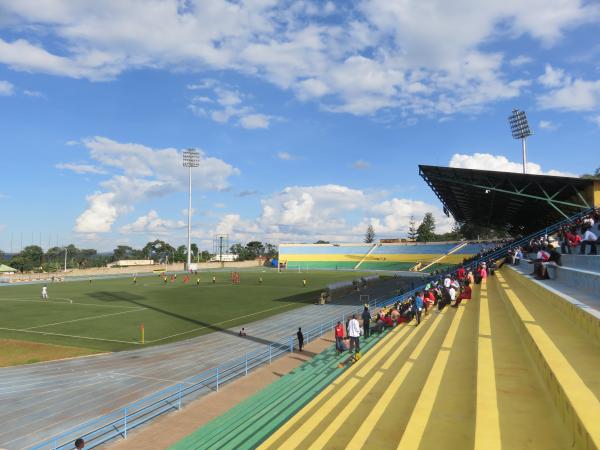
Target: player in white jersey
x,y
44,292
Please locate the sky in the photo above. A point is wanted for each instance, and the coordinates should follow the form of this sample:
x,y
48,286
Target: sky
x,y
311,117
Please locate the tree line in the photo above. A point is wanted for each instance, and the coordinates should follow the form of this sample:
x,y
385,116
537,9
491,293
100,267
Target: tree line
x,y
34,258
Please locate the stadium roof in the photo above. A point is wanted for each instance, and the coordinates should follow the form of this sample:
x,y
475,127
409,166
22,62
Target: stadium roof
x,y
514,201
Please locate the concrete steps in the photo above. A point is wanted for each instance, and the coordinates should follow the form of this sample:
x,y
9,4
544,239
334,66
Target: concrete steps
x,y
566,355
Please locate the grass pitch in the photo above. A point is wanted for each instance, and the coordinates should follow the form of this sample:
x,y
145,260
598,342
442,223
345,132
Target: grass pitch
x,y
106,314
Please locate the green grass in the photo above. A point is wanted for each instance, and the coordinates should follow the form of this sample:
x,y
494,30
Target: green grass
x,y
106,315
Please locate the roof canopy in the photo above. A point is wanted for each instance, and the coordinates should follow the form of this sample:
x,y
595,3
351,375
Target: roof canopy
x,y
514,201
6,269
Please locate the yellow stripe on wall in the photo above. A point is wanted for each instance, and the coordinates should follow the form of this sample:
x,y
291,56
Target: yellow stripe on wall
x,y
452,259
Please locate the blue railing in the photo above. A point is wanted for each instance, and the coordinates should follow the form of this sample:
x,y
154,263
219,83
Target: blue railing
x,y
119,422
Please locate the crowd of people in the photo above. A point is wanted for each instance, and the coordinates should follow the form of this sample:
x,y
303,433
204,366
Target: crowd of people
x,y
444,290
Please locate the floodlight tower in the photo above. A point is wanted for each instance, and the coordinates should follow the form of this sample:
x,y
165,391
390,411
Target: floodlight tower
x,y
191,158
520,130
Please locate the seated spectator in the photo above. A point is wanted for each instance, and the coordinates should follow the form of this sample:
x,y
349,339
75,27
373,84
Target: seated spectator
x,y
465,294
539,270
569,241
589,238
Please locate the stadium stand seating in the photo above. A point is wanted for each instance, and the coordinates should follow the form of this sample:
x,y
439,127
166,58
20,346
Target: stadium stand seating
x,y
515,367
250,422
370,256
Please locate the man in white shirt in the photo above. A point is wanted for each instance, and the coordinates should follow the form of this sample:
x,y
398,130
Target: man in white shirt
x,y
590,239
354,333
447,282
44,293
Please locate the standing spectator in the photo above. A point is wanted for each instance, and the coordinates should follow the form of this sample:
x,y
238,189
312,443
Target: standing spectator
x,y
418,306
79,443
300,339
589,238
339,337
366,317
354,333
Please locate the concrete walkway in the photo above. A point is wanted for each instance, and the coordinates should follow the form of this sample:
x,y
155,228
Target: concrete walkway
x,y
38,401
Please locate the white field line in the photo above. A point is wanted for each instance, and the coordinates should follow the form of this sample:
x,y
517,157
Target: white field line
x,y
69,302
69,336
221,323
83,318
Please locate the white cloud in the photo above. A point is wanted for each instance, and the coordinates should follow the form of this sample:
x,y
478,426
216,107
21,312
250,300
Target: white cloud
x,y
596,120
547,125
225,103
361,164
568,93
152,223
100,214
417,57
553,77
285,156
142,173
332,212
520,60
6,88
575,95
80,168
36,94
487,161
252,121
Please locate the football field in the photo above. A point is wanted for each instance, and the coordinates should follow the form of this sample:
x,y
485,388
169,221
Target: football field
x,y
108,314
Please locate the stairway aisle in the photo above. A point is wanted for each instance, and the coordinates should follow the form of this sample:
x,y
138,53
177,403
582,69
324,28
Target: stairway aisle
x,y
526,416
444,414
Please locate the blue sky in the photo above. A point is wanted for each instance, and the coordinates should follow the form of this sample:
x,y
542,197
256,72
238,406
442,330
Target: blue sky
x,y
311,116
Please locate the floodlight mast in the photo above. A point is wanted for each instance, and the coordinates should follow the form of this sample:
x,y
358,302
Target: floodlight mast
x,y
519,126
191,158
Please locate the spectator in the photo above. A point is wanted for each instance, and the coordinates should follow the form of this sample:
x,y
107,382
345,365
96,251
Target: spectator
x,y
339,337
354,334
79,443
569,241
366,317
589,238
465,294
418,306
300,337
242,332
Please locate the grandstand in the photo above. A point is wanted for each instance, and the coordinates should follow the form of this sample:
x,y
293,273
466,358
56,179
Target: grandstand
x,y
381,256
514,367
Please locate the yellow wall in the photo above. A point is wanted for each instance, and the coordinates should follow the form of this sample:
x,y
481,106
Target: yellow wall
x,y
374,258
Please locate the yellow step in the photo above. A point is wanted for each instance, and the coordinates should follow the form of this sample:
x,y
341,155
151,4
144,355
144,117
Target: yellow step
x,y
576,402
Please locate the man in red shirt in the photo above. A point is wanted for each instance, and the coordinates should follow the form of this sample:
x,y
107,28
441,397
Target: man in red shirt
x,y
339,337
460,273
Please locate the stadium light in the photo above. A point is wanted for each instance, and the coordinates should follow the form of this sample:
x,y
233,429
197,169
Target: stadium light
x,y
191,158
519,126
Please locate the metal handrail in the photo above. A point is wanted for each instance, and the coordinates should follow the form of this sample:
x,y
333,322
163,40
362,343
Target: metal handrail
x,y
117,423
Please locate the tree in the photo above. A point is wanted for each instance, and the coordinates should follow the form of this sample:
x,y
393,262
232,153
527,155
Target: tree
x,y
426,231
122,252
194,248
180,254
369,235
271,251
29,258
412,231
322,242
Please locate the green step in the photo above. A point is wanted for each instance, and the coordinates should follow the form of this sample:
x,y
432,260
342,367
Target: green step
x,y
254,419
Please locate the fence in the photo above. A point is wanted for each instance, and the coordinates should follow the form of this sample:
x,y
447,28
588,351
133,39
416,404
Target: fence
x,y
118,423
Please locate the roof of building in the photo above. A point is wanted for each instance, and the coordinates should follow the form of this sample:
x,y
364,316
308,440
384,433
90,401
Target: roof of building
x,y
514,201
